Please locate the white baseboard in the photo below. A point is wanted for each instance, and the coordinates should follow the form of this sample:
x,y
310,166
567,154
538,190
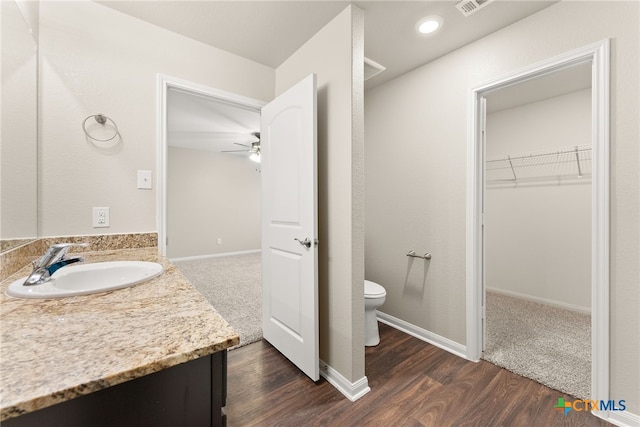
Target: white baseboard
x,y
192,258
621,419
423,334
352,391
545,301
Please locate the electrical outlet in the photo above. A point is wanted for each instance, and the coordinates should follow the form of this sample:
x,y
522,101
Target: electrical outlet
x,y
219,240
100,217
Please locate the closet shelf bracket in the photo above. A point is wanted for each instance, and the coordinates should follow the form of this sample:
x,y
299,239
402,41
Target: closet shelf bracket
x,y
515,177
578,162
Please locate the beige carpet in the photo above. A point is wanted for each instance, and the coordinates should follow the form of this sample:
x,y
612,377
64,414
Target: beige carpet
x,y
233,286
547,344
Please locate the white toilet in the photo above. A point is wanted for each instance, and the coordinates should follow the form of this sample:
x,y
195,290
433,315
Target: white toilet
x,y
374,296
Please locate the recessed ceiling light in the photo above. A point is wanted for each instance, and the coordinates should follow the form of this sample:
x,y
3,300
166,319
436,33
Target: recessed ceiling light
x,y
429,24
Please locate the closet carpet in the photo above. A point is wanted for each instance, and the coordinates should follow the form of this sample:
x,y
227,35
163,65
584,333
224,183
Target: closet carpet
x,y
233,286
547,344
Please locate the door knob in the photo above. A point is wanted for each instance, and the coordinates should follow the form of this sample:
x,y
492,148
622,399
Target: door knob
x,y
306,242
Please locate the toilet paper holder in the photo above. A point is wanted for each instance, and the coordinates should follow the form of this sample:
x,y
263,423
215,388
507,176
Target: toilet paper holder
x,y
413,254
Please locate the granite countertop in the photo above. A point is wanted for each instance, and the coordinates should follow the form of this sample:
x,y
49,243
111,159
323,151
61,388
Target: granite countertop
x,y
57,349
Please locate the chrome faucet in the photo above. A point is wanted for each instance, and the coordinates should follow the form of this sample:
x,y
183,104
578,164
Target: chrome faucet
x,y
52,260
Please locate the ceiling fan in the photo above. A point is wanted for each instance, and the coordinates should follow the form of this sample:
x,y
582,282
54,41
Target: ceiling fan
x,y
253,149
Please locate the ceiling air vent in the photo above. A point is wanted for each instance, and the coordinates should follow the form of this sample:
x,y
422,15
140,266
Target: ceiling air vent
x,y
467,7
372,68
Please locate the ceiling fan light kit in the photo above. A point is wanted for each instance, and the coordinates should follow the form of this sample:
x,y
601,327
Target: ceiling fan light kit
x,y
254,149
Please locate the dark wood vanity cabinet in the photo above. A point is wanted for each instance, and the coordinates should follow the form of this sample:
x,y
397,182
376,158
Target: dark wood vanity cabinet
x,y
190,394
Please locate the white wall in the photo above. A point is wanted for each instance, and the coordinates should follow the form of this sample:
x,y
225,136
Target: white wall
x,y
19,118
97,60
538,229
336,55
416,148
209,196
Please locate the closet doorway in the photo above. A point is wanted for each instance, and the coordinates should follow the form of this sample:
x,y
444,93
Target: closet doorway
x,y
596,56
537,229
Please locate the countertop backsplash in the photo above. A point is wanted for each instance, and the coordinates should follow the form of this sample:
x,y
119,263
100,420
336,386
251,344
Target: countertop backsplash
x,y
15,259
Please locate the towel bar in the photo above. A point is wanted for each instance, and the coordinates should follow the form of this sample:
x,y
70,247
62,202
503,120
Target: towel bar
x,y
413,254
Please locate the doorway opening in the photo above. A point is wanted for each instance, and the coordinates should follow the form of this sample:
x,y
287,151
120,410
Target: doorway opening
x,y
288,212
211,197
537,229
213,187
597,56
167,84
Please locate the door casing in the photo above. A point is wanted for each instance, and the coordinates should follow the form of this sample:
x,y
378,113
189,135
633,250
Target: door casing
x,y
598,54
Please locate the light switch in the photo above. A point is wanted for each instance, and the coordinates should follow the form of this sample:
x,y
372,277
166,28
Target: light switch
x,y
144,180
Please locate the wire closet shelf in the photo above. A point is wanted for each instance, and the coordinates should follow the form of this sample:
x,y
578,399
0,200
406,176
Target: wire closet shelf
x,y
566,162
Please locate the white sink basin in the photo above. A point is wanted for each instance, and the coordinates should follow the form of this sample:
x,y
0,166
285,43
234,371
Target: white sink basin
x,y
85,279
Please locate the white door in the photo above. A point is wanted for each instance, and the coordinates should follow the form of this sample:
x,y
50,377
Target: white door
x,y
290,225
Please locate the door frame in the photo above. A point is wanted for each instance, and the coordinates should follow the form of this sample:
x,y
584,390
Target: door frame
x,y
164,83
598,54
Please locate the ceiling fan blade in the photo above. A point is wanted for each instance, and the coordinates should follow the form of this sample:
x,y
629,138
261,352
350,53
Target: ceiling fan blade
x,y
244,145
235,151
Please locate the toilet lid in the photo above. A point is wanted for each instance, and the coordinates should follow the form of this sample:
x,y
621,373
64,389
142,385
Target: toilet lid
x,y
373,290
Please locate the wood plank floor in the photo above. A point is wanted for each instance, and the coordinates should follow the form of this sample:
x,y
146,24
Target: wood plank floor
x,y
412,384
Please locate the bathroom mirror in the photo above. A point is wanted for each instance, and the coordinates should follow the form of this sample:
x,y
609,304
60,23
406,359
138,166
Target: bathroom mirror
x,y
19,124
